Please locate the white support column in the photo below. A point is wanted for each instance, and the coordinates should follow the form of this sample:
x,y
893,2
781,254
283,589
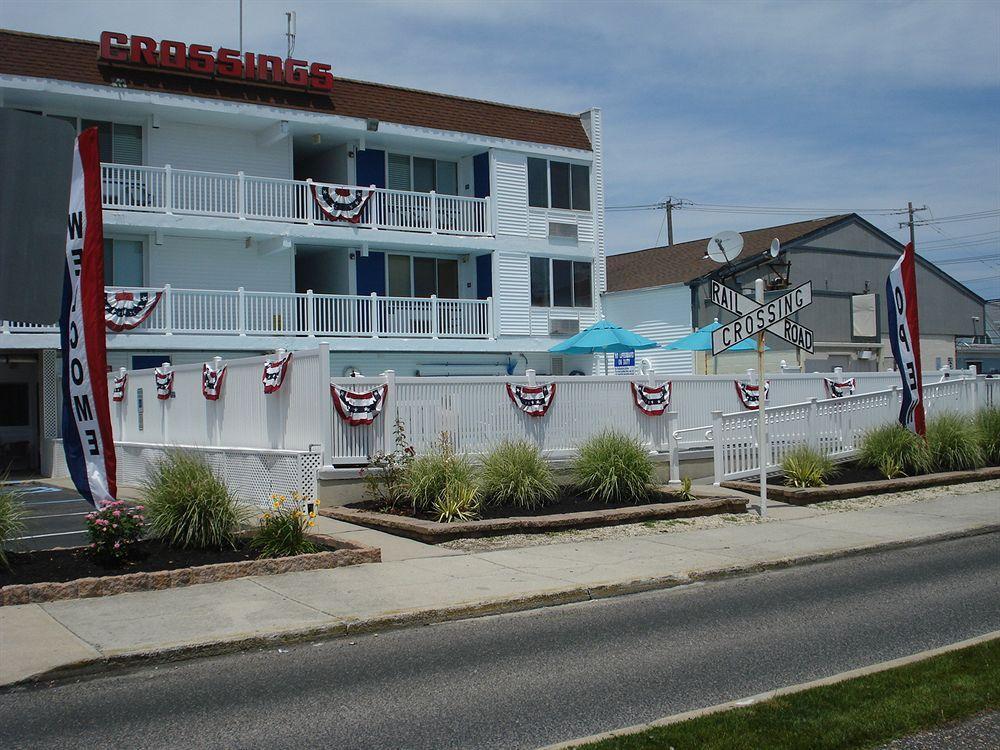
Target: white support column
x,y
241,195
491,322
323,397
434,212
168,310
168,188
717,445
241,312
812,421
373,317
435,323
390,412
309,212
310,313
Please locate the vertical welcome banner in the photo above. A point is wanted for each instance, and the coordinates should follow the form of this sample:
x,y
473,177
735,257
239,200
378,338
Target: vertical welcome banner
x,y
904,337
90,451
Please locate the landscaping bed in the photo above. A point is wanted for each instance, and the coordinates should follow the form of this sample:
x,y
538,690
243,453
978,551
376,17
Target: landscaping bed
x,y
568,512
856,481
72,572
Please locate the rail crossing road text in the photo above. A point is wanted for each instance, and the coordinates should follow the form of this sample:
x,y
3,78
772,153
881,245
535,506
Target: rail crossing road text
x,y
753,318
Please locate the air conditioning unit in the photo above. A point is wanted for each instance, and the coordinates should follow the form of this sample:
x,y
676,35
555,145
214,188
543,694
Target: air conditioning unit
x,y
558,365
865,354
564,327
562,230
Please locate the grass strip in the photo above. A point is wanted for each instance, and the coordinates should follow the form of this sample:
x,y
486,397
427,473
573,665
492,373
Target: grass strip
x,y
863,712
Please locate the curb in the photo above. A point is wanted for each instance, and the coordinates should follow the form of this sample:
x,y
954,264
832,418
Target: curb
x,y
776,693
437,615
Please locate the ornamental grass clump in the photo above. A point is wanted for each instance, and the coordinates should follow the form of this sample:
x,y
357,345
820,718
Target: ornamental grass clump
x,y
282,531
189,507
458,502
429,475
613,467
115,528
515,474
953,444
12,515
807,467
988,434
894,452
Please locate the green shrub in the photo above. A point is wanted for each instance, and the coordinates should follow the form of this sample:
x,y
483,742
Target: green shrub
x,y
458,502
12,515
894,451
953,443
685,493
988,434
807,467
429,475
282,532
613,467
114,528
514,473
189,507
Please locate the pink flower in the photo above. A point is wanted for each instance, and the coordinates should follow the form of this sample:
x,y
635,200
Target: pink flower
x,y
114,526
140,507
117,513
117,545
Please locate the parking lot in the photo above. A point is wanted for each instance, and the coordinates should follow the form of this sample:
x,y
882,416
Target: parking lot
x,y
55,517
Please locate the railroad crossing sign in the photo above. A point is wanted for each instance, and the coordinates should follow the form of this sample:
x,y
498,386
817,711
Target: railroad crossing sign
x,y
754,318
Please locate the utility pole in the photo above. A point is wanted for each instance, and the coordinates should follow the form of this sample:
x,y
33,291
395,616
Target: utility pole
x,y
669,205
910,210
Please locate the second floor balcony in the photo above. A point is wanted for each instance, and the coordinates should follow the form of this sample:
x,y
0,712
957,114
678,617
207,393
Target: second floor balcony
x,y
239,196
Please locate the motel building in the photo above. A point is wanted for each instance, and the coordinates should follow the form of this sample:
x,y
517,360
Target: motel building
x,y
255,203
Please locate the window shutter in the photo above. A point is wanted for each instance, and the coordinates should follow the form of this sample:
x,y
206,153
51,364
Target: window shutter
x,y
126,144
399,172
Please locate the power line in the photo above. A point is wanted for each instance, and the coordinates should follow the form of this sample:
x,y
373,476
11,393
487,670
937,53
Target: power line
x,y
970,259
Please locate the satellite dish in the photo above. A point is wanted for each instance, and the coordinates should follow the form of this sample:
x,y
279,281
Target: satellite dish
x,y
775,250
725,246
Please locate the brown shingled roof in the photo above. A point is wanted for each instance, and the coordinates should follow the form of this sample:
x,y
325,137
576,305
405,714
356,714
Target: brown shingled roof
x,y
76,60
686,261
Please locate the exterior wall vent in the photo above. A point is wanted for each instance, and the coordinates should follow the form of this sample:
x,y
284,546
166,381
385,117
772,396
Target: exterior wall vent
x,y
562,230
564,327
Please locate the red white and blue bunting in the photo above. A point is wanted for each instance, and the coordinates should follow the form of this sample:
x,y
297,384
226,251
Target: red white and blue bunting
x,y
274,373
118,387
124,311
359,407
341,204
651,400
533,400
748,393
164,383
839,389
211,382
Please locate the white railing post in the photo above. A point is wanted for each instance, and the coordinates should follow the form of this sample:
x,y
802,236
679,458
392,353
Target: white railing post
x,y
530,375
168,189
434,212
717,446
489,215
374,205
435,323
168,310
4,326
241,195
389,415
310,313
373,316
490,320
675,459
309,206
812,423
326,413
241,312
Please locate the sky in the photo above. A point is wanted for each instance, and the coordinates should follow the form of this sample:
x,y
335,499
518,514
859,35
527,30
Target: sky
x,y
814,106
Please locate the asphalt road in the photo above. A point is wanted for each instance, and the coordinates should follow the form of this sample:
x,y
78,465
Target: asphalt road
x,y
528,679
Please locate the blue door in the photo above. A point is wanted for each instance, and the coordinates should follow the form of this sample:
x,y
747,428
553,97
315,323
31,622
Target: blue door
x,y
371,168
484,276
481,175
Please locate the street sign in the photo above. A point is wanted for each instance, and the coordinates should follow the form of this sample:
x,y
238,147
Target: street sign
x,y
753,318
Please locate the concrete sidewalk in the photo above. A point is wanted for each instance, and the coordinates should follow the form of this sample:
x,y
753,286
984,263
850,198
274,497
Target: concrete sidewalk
x,y
420,584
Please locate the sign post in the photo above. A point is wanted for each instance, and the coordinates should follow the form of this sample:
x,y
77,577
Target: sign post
x,y
762,444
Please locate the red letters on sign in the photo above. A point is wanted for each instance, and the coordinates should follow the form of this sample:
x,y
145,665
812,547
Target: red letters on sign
x,y
228,63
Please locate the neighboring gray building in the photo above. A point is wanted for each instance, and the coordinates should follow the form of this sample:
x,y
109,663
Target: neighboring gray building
x,y
983,349
846,258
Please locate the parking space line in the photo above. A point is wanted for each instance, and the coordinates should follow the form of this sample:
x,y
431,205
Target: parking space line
x,y
61,515
42,536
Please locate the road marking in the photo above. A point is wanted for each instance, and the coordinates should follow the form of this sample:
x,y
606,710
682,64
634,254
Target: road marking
x,y
55,502
61,515
43,536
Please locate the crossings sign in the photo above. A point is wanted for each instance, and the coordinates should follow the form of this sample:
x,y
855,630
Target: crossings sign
x,y
754,318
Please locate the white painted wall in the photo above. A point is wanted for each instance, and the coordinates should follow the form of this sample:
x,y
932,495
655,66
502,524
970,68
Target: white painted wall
x,y
200,263
662,314
510,183
215,149
512,293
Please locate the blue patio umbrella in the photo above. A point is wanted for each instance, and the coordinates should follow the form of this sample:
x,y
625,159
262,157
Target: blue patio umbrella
x,y
604,336
701,341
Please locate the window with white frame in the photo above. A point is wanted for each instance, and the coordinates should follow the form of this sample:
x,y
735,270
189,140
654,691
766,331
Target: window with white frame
x,y
561,283
558,184
421,276
123,263
421,174
116,142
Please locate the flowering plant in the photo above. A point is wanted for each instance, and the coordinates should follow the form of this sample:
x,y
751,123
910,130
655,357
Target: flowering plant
x,y
114,529
281,531
385,476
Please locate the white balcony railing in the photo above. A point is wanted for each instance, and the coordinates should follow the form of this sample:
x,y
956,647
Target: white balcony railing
x,y
240,196
243,313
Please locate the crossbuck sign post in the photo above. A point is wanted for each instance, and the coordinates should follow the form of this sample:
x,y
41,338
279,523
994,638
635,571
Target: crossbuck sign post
x,y
753,318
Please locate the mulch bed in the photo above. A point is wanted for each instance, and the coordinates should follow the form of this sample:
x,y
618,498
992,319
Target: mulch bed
x,y
855,481
566,514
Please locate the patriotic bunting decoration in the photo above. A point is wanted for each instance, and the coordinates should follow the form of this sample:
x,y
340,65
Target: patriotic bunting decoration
x,y
904,337
359,407
651,400
118,387
341,204
86,418
124,311
274,373
211,382
840,389
533,400
749,395
164,383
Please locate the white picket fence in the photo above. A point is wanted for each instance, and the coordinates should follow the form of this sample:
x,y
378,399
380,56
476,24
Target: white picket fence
x,y
834,426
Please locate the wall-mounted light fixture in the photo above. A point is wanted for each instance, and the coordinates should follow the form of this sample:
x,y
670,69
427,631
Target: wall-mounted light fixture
x,y
371,125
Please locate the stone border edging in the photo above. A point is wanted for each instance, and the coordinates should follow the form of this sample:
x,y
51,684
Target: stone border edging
x,y
349,553
432,532
436,615
808,495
